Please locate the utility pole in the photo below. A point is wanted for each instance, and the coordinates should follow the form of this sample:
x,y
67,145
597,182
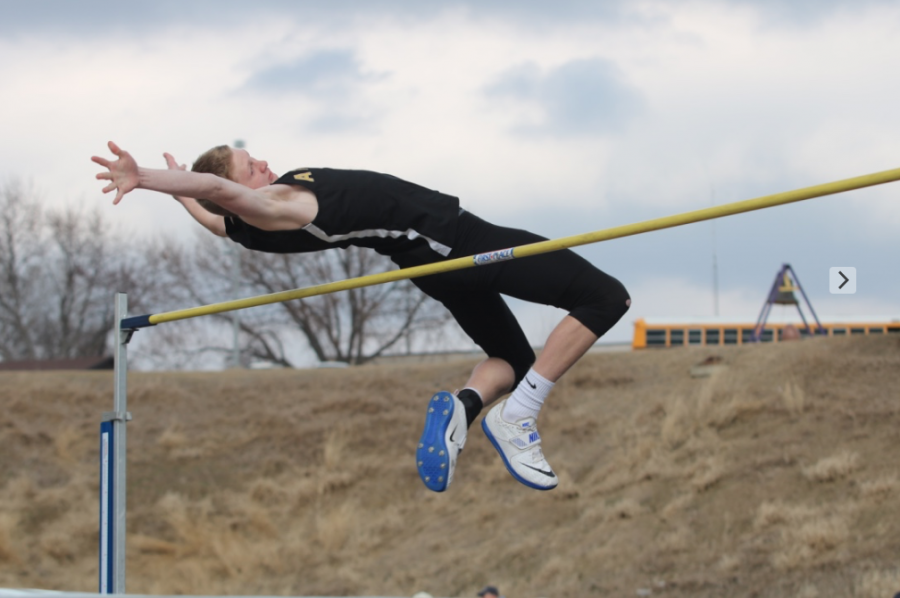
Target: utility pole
x,y
715,260
235,285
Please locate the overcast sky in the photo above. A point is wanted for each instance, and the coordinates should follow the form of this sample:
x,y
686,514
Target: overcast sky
x,y
563,118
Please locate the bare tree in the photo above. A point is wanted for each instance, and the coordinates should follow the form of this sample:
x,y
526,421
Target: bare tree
x,y
59,270
22,248
356,325
353,326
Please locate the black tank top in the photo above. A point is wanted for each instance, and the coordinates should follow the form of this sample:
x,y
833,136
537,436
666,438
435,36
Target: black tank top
x,y
361,208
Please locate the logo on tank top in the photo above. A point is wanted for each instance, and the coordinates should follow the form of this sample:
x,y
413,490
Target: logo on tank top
x,y
304,176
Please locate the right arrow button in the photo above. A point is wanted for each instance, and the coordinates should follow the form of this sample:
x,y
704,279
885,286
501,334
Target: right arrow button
x,y
842,280
845,280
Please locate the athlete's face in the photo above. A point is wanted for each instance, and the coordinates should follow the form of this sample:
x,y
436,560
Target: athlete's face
x,y
249,171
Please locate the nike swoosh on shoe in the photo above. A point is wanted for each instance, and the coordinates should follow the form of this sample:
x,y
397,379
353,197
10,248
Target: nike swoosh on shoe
x,y
437,450
549,474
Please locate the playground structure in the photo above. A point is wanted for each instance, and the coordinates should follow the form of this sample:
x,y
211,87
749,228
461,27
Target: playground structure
x,y
782,293
113,426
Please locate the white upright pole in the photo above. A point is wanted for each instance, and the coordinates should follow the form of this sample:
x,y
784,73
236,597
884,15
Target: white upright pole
x,y
113,443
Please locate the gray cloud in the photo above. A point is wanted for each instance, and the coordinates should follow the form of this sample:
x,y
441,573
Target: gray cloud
x,y
91,17
328,75
581,97
333,79
802,13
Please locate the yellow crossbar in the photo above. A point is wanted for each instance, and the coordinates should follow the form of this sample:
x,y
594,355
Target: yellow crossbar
x,y
616,232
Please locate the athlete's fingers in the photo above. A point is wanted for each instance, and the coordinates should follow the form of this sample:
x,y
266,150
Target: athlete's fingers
x,y
114,148
109,187
101,161
172,163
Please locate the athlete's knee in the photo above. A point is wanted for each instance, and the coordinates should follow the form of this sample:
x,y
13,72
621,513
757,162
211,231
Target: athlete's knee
x,y
617,298
602,305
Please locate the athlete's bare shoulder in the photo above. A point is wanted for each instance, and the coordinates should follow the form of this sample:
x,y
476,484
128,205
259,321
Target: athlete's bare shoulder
x,y
290,207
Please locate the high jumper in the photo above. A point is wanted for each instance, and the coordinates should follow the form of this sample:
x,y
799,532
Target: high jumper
x,y
235,195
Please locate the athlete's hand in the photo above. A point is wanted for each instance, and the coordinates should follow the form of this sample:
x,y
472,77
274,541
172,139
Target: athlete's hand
x,y
172,164
123,173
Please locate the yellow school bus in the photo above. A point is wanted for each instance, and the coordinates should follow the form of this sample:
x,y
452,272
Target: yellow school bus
x,y
655,334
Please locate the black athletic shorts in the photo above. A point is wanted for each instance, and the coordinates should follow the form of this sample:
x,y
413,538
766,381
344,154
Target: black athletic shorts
x,y
561,279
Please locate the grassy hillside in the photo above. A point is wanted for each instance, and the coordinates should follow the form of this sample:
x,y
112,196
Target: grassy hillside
x,y
776,476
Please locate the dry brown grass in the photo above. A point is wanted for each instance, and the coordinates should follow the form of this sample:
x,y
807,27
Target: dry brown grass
x,y
775,477
878,583
881,488
794,398
835,467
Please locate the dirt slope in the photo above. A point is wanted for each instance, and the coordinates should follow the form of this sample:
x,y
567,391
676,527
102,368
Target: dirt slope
x,y
777,476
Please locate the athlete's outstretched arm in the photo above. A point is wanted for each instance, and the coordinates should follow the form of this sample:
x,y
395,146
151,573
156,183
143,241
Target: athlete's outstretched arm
x,y
211,222
124,176
271,207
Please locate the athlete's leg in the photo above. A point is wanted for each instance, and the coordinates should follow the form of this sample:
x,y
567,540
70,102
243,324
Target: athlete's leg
x,y
492,378
489,322
568,342
562,279
595,302
511,426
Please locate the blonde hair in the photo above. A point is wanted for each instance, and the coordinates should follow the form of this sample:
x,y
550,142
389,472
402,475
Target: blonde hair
x,y
215,161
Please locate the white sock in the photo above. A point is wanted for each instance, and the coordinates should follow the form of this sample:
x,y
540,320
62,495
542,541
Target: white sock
x,y
528,398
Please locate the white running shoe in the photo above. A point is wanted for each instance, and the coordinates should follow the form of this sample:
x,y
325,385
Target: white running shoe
x,y
520,446
442,440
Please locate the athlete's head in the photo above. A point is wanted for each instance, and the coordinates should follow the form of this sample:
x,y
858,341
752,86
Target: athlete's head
x,y
216,161
236,165
249,171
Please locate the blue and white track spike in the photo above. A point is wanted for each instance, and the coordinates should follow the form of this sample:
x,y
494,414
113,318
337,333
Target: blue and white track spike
x,y
442,440
519,444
